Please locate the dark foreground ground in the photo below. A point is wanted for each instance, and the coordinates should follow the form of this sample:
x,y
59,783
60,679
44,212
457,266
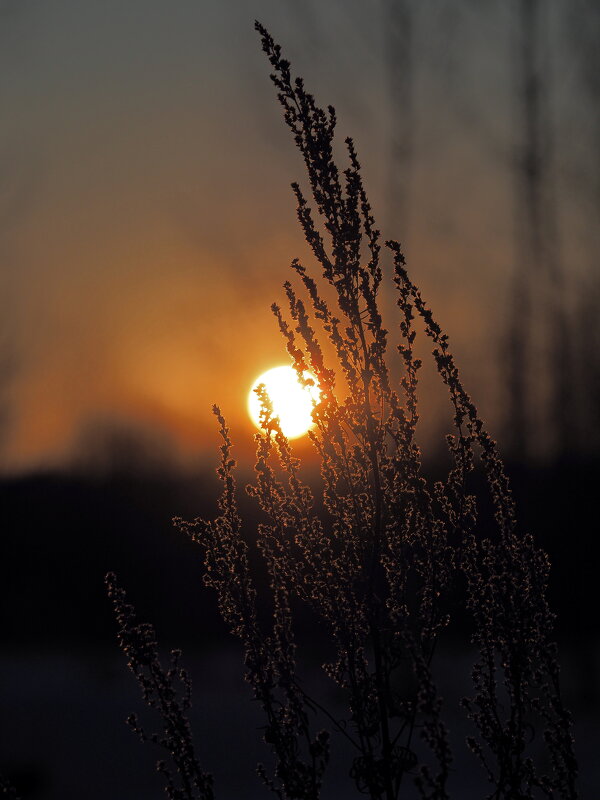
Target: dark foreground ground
x,y
63,734
64,687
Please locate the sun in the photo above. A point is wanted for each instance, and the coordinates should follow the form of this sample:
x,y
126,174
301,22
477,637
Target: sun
x,y
292,402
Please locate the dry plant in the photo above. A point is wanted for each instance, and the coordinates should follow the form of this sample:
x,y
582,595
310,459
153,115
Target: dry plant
x,y
382,564
7,790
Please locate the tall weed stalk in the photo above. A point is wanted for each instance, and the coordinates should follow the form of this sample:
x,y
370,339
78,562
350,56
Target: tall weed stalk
x,y
383,561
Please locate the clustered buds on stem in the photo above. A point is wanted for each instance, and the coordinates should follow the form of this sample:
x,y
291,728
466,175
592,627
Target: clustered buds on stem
x,y
382,565
168,691
7,790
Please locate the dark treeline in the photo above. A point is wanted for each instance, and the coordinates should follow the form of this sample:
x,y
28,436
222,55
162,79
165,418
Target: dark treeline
x,y
62,533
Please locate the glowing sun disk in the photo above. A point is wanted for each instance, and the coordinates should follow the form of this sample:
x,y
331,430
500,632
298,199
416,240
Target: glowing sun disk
x,y
292,402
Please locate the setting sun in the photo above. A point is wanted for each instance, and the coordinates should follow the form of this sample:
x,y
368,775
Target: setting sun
x,y
292,402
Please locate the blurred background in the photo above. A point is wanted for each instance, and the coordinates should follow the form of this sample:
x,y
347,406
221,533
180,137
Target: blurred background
x,y
146,225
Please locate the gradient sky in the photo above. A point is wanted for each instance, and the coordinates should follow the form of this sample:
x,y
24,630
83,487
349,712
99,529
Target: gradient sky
x,y
146,220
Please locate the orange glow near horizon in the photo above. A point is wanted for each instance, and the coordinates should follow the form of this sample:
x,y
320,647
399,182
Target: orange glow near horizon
x,y
292,402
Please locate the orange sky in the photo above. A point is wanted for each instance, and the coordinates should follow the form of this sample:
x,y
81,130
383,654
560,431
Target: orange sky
x,y
147,222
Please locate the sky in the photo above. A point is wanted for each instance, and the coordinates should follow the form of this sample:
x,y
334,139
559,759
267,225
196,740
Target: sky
x,y
146,219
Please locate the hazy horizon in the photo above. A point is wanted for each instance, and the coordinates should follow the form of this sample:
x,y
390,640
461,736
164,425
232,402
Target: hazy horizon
x,y
146,220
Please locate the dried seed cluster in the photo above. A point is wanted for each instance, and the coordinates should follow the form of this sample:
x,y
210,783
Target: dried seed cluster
x,y
382,565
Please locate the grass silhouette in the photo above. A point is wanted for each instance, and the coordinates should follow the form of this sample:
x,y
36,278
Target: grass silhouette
x,y
384,558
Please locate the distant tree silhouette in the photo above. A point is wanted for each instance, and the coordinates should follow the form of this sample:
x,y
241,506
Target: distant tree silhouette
x,y
582,25
540,378
399,23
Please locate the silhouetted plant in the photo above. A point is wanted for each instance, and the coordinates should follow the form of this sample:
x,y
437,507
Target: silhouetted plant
x,y
7,790
381,565
168,691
